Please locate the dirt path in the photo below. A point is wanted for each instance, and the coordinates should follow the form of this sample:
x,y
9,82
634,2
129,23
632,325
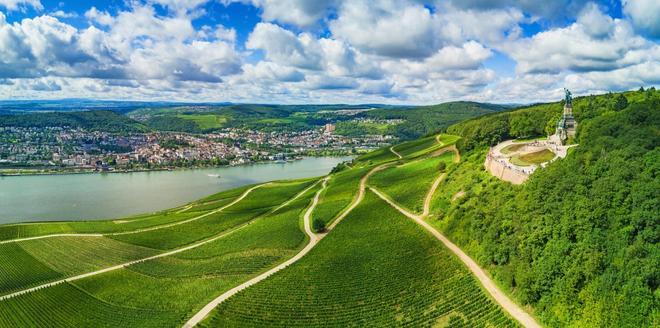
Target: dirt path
x,y
172,252
509,306
243,195
360,195
313,240
395,153
429,195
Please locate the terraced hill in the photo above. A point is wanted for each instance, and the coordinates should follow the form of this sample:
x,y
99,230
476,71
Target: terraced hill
x,y
248,257
415,235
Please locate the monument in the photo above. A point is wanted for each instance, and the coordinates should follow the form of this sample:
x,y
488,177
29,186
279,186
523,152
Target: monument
x,y
567,124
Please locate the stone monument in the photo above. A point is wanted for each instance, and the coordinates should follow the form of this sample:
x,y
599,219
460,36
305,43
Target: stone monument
x,y
567,124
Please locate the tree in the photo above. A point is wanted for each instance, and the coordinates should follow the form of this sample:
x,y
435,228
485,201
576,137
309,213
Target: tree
x,y
621,102
318,225
442,166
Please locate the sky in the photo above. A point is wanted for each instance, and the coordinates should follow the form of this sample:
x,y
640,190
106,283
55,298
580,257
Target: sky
x,y
326,51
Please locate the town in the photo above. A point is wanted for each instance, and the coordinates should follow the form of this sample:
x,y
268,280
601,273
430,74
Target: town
x,y
57,149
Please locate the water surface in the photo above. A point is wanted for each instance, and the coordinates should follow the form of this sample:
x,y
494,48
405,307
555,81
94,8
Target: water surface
x,y
113,195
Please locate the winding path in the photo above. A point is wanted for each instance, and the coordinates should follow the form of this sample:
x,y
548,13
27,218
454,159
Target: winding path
x,y
509,306
172,252
429,195
313,240
360,195
395,153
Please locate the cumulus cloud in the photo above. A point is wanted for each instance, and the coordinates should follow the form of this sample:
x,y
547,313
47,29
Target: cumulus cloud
x,y
99,17
282,46
583,46
21,4
137,44
644,15
302,13
388,28
594,22
416,51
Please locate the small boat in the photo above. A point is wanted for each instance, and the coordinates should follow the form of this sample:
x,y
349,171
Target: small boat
x,y
214,175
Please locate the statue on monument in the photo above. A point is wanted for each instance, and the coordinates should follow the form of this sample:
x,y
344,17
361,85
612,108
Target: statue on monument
x,y
569,97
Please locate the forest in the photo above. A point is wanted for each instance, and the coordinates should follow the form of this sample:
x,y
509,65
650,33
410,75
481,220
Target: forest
x,y
579,240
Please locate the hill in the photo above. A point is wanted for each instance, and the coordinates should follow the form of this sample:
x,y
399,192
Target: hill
x,y
97,120
399,236
579,240
424,120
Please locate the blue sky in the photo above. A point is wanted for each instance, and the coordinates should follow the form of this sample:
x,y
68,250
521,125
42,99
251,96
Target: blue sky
x,y
326,51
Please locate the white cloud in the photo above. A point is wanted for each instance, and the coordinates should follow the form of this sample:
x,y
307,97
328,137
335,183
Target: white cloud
x,y
469,56
301,13
226,34
137,45
582,47
396,29
180,5
594,22
644,15
63,14
20,4
269,72
100,17
284,47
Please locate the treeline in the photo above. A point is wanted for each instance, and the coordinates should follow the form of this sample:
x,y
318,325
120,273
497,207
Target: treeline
x,y
420,121
579,240
97,120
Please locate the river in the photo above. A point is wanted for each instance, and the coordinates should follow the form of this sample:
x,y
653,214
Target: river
x,y
114,195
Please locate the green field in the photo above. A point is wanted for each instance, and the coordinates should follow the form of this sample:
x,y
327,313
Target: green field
x,y
373,270
163,292
426,145
258,202
512,148
339,194
534,158
205,122
408,183
377,156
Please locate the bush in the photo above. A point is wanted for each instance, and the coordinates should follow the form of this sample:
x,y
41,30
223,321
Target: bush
x,y
442,166
318,225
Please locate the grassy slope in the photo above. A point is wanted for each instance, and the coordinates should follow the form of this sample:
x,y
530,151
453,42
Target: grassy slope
x,y
338,195
258,202
163,292
373,270
24,230
408,183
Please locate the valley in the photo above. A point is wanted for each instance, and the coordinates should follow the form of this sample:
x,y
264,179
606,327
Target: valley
x,y
414,234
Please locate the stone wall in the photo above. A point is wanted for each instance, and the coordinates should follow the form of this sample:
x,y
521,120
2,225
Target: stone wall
x,y
504,173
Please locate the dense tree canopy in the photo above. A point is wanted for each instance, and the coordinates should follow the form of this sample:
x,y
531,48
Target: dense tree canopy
x,y
579,240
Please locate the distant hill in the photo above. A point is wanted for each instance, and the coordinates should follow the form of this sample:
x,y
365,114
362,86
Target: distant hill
x,y
98,120
423,120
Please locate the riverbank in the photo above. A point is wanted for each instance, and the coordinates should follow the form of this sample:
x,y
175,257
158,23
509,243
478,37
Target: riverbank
x,y
100,196
17,172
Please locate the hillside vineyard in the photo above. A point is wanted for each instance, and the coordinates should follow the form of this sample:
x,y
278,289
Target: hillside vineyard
x,y
417,234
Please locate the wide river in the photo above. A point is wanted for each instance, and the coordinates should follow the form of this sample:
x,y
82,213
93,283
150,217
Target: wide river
x,y
113,195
